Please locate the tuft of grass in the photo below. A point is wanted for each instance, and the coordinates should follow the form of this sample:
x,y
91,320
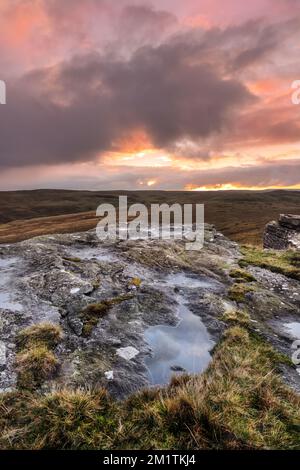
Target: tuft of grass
x,y
240,275
35,361
237,316
283,262
64,419
46,334
34,366
237,292
76,419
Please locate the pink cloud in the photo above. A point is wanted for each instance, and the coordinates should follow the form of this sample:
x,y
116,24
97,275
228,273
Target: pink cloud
x,y
88,74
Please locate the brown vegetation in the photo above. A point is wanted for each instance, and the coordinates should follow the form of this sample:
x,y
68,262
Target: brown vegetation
x,y
241,215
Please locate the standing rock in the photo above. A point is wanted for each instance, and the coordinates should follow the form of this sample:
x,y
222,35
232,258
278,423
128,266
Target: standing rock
x,y
283,234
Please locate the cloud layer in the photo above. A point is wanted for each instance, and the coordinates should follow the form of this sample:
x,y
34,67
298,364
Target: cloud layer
x,y
85,79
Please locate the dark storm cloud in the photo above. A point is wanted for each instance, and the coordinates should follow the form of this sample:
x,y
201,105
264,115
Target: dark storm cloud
x,y
142,18
77,110
180,89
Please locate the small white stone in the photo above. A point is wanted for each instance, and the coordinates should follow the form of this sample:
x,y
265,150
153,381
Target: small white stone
x,y
127,353
109,374
75,290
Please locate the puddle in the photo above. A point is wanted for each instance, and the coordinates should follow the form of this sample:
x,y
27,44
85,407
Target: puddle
x,y
155,231
7,262
5,274
293,329
183,280
7,304
183,348
99,254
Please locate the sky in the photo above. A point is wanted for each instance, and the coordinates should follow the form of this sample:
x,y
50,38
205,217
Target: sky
x,y
160,94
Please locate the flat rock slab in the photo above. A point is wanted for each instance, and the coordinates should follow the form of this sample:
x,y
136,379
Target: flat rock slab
x,y
127,353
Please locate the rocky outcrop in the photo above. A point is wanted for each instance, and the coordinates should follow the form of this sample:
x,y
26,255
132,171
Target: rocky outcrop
x,y
104,296
283,234
107,296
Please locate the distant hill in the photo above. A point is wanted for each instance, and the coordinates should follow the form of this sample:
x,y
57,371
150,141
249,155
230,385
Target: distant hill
x,y
241,215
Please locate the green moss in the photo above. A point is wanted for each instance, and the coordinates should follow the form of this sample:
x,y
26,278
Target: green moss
x,y
276,357
237,292
46,334
283,262
240,275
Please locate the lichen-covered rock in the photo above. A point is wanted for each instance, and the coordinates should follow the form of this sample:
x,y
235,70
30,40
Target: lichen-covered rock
x,y
283,234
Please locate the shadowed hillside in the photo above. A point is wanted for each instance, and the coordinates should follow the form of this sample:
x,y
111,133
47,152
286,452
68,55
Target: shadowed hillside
x,y
241,215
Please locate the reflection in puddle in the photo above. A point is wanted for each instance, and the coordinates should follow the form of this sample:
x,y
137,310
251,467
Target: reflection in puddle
x,y
183,280
293,329
184,347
